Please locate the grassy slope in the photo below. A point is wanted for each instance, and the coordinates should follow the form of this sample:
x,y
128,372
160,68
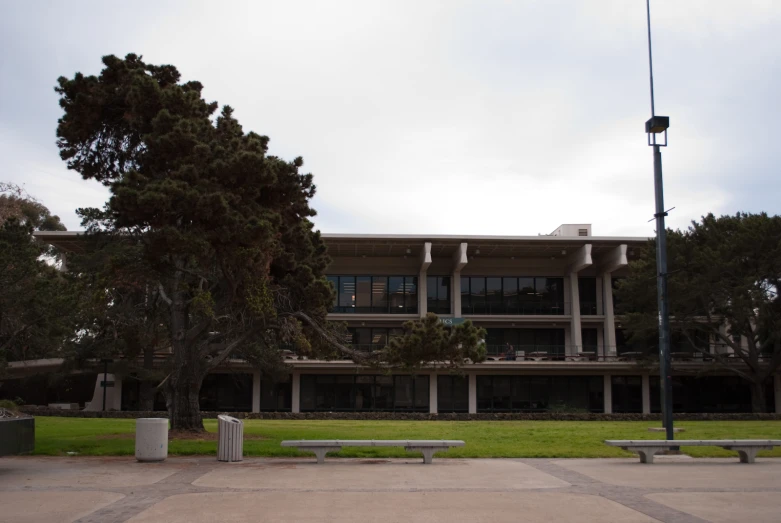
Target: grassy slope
x,y
484,439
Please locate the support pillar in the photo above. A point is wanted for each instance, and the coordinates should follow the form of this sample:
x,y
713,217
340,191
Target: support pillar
x,y
472,393
425,262
608,394
256,391
455,294
646,388
576,337
116,395
610,319
459,262
777,391
432,393
295,404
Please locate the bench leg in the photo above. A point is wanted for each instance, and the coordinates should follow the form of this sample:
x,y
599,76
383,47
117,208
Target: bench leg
x,y
428,452
428,455
320,452
646,453
747,454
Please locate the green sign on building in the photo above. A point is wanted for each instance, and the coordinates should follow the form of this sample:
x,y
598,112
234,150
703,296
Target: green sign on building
x,y
451,321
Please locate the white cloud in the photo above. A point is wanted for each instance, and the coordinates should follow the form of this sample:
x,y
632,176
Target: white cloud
x,y
446,117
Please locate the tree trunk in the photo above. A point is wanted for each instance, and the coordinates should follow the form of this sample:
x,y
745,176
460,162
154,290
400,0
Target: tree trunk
x,y
758,403
184,382
147,389
182,398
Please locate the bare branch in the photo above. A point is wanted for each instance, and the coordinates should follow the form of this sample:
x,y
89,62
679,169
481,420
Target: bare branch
x,y
163,295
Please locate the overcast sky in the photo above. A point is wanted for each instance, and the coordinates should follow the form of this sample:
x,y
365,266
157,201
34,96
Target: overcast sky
x,y
472,117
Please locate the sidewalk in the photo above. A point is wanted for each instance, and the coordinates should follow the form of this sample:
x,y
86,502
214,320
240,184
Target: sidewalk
x,y
194,490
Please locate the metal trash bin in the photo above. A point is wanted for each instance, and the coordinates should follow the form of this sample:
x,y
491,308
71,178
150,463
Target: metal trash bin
x,y
151,439
230,436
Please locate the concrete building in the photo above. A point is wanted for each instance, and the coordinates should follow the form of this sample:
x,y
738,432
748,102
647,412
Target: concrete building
x,y
553,338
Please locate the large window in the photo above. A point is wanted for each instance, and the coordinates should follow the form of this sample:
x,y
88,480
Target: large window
x,y
587,292
590,338
351,392
627,392
371,338
710,394
504,341
512,295
226,392
375,294
452,393
276,395
438,294
540,393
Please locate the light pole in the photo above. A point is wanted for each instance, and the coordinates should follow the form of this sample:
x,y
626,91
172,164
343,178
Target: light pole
x,y
653,127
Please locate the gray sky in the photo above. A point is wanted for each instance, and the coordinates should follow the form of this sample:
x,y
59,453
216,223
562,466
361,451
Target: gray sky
x,y
449,117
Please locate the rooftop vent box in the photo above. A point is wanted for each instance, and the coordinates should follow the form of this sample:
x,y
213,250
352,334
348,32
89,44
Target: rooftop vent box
x,y
573,229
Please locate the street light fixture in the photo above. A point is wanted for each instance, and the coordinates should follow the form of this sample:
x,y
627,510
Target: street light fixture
x,y
654,126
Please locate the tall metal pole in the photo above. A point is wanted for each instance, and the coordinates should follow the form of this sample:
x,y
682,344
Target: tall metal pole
x,y
661,265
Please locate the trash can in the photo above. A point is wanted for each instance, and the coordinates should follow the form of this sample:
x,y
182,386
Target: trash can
x,y
151,439
230,436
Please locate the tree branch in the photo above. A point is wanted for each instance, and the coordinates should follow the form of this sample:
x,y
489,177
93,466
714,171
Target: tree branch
x,y
357,356
163,295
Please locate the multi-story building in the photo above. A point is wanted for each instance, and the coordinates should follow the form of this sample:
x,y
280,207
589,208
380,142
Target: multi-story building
x,y
553,339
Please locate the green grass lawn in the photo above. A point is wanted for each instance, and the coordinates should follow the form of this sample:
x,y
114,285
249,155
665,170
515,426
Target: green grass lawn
x,y
484,439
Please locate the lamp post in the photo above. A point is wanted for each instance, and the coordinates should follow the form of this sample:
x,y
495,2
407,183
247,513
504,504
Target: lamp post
x,y
654,127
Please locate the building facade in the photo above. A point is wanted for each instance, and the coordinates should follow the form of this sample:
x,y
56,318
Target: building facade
x,y
554,341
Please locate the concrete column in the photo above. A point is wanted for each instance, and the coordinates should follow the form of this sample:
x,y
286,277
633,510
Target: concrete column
x,y
116,397
455,291
433,400
256,391
472,393
425,262
296,392
777,390
646,387
576,338
610,320
422,294
608,394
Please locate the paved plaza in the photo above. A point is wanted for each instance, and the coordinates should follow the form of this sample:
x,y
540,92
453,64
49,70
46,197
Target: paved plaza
x,y
194,490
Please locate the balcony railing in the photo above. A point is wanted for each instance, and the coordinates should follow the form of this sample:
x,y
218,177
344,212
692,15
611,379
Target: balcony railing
x,y
540,308
590,308
352,309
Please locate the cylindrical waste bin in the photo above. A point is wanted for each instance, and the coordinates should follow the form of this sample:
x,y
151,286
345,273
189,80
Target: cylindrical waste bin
x,y
230,436
151,439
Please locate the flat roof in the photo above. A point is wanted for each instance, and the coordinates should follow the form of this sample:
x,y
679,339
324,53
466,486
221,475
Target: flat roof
x,y
398,244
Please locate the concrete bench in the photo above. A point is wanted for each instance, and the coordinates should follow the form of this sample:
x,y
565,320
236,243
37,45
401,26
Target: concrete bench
x,y
747,448
320,447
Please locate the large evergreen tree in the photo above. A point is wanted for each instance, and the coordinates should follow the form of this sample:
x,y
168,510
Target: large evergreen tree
x,y
724,276
223,227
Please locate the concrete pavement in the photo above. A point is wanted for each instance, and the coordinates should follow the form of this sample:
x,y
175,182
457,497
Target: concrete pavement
x,y
193,490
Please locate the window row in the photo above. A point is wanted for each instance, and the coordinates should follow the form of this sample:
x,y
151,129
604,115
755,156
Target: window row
x,y
715,394
511,295
438,294
351,392
540,393
375,294
372,337
508,341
